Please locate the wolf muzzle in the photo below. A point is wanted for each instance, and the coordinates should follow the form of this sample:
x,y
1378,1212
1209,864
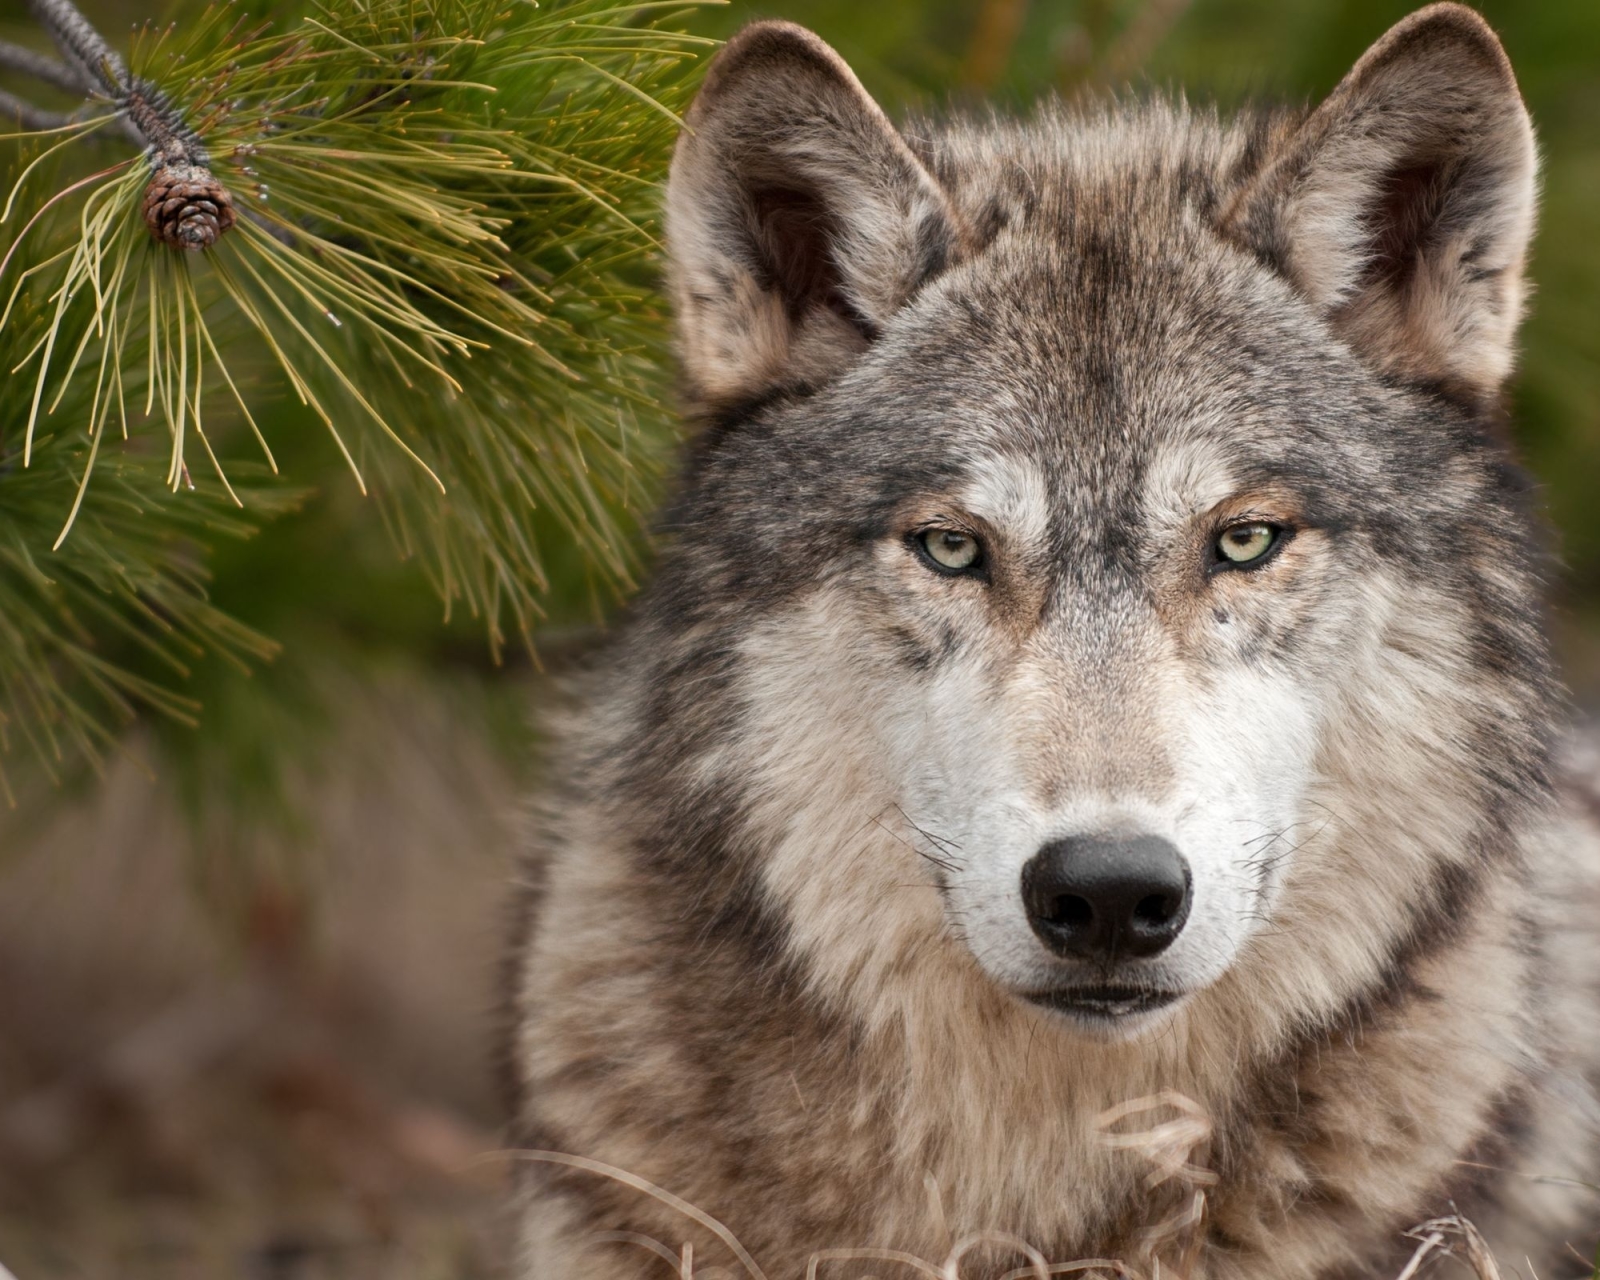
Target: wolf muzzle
x,y
1107,899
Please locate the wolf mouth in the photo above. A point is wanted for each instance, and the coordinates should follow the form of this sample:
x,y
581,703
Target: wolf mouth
x,y
1103,1003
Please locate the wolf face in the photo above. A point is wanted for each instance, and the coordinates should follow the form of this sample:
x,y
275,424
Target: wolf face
x,y
1094,654
1095,492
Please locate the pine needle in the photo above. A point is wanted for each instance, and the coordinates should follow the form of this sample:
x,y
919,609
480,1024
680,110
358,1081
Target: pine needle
x,y
441,216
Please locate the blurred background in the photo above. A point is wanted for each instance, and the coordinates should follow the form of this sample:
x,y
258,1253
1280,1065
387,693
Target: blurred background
x,y
246,968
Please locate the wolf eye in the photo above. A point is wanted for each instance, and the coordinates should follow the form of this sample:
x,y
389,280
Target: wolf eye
x,y
1246,544
950,550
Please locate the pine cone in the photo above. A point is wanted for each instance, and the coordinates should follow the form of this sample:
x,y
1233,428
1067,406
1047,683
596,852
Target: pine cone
x,y
186,207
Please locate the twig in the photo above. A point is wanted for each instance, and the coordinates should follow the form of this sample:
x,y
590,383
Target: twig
x,y
154,122
171,141
13,57
82,46
184,206
28,116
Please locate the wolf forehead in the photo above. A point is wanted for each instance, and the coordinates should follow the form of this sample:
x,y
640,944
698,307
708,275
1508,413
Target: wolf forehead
x,y
1099,348
1129,306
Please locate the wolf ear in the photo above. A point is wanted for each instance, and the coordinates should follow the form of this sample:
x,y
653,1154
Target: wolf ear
x,y
1403,205
798,220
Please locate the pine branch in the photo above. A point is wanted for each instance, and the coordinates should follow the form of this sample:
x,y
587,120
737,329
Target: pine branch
x,y
404,252
30,117
184,204
91,638
439,250
97,64
13,57
52,72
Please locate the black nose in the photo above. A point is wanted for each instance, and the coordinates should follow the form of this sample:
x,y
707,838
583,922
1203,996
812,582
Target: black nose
x,y
1098,898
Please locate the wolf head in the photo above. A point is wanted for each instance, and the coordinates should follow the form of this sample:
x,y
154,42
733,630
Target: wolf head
x,y
1096,560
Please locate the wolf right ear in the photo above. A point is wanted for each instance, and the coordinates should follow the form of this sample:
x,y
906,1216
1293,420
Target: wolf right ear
x,y
798,220
1403,206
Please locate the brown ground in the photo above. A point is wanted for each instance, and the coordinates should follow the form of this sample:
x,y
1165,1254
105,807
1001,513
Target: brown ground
x,y
291,1084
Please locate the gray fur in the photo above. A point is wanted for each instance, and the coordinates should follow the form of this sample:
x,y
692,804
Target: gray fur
x,y
771,956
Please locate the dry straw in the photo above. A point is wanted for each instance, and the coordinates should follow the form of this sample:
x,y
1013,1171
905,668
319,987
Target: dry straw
x,y
1169,1132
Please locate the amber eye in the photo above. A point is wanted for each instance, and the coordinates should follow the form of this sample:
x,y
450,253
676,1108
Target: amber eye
x,y
950,549
1245,544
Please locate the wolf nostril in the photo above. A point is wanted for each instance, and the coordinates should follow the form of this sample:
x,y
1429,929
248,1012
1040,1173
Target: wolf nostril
x,y
1155,909
1072,911
1106,899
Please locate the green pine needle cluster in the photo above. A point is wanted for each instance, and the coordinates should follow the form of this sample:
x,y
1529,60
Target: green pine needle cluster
x,y
91,639
444,210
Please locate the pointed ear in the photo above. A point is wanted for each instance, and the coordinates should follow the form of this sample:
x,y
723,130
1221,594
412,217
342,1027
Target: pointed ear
x,y
798,220
1403,205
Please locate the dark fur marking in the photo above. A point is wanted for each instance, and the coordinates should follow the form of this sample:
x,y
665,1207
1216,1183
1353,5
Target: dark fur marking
x,y
794,232
1406,213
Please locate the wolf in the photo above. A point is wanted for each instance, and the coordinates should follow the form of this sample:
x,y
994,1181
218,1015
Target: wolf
x,y
1096,653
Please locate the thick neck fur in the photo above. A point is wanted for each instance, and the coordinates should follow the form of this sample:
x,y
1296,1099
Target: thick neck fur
x,y
1355,1054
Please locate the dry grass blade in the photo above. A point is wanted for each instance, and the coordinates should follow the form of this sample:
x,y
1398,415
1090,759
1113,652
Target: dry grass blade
x,y
1037,1266
1171,1145
672,1202
1175,1148
1454,1237
893,1256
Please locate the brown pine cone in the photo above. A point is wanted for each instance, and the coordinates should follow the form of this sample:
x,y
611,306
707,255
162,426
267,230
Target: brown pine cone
x,y
186,207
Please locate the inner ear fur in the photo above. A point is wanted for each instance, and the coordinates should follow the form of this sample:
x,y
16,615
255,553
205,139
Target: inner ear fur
x,y
798,220
1404,204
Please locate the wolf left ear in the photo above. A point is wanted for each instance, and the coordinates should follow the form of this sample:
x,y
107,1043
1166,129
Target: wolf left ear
x,y
1404,204
798,220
